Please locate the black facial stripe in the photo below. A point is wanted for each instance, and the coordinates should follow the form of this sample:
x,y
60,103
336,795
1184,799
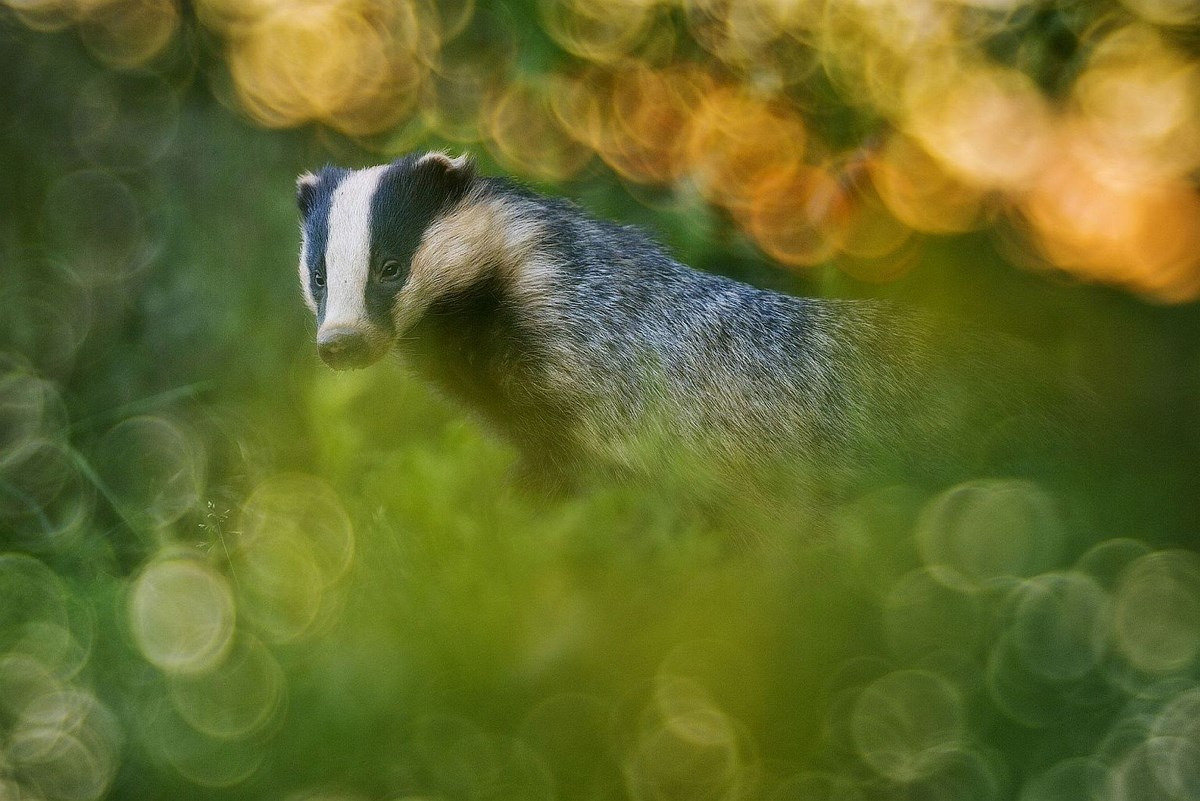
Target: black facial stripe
x,y
316,230
409,197
379,300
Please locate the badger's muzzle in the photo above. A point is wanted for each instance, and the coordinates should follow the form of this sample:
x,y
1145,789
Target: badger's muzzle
x,y
344,348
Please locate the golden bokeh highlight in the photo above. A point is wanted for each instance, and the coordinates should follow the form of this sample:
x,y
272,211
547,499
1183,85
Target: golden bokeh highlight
x,y
1100,181
1165,12
739,142
354,66
990,127
758,39
251,615
527,137
643,130
600,31
876,245
1138,97
919,191
1103,227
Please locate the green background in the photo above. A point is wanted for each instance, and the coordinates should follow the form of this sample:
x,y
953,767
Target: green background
x,y
387,618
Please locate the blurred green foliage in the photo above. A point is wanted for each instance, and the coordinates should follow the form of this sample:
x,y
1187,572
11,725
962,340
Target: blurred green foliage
x,y
226,572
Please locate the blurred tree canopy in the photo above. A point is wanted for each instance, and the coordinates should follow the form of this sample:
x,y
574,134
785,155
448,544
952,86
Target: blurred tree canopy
x,y
226,572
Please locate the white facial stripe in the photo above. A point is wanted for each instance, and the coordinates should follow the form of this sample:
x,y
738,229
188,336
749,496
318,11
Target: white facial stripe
x,y
348,249
309,300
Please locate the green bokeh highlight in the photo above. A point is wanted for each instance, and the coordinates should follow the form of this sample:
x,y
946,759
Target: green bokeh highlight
x,y
226,572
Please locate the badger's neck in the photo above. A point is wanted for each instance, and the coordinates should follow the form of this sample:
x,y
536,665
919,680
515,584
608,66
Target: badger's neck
x,y
481,336
486,234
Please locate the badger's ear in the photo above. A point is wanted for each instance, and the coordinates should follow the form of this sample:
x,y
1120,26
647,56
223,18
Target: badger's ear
x,y
306,192
461,168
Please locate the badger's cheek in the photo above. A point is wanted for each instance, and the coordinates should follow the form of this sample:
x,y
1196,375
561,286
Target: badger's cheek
x,y
408,307
309,300
350,347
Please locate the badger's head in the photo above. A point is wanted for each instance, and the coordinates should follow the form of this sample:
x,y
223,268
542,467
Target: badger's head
x,y
360,262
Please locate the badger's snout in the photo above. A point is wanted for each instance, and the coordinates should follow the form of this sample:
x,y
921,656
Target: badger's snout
x,y
344,348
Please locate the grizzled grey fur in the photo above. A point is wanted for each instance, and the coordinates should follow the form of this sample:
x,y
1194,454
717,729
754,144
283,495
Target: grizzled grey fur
x,y
592,350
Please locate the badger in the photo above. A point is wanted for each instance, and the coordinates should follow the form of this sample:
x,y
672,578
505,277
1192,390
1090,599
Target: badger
x,y
593,351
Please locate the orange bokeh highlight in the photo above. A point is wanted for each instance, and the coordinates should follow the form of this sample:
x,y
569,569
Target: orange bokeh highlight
x,y
648,116
738,142
918,190
1143,236
1141,98
800,217
1104,173
990,127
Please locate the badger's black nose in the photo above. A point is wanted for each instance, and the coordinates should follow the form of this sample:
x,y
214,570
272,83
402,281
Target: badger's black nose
x,y
343,348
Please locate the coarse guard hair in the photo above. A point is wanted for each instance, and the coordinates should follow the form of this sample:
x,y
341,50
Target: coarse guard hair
x,y
586,345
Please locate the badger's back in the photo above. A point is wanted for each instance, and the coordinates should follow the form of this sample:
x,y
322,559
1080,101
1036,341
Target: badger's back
x,y
592,349
624,357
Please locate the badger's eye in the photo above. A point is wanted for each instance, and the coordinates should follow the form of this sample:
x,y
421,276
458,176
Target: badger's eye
x,y
319,279
390,270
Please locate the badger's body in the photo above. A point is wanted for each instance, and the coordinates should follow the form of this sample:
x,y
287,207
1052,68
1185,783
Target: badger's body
x,y
591,349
